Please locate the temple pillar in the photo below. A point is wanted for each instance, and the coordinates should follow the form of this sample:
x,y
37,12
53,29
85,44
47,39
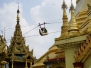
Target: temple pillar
x,y
26,64
12,63
3,63
30,64
69,57
2,66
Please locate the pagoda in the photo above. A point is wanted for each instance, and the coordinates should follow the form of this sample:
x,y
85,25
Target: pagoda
x,y
19,55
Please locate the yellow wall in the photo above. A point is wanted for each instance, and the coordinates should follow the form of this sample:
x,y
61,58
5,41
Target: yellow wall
x,y
87,58
87,63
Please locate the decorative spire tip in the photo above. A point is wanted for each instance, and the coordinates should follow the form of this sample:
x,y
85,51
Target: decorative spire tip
x,y
18,9
64,6
72,6
18,18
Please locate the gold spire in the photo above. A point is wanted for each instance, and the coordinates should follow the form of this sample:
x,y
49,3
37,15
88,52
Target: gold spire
x,y
73,27
64,31
18,27
18,18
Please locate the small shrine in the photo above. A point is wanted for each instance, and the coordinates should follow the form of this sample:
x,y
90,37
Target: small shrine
x,y
19,55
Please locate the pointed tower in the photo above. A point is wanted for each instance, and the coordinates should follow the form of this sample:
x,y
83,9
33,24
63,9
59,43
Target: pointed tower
x,y
18,52
73,27
64,28
64,31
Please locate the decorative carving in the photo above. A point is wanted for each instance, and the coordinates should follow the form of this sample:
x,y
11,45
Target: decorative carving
x,y
83,50
89,6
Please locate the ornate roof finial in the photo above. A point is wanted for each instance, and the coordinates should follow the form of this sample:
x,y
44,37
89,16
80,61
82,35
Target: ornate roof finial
x,y
71,7
4,33
18,18
64,6
73,27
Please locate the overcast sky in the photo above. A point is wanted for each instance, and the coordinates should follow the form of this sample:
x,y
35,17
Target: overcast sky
x,y
33,12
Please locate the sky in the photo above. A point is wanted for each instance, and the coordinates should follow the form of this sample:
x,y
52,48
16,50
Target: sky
x,y
33,12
